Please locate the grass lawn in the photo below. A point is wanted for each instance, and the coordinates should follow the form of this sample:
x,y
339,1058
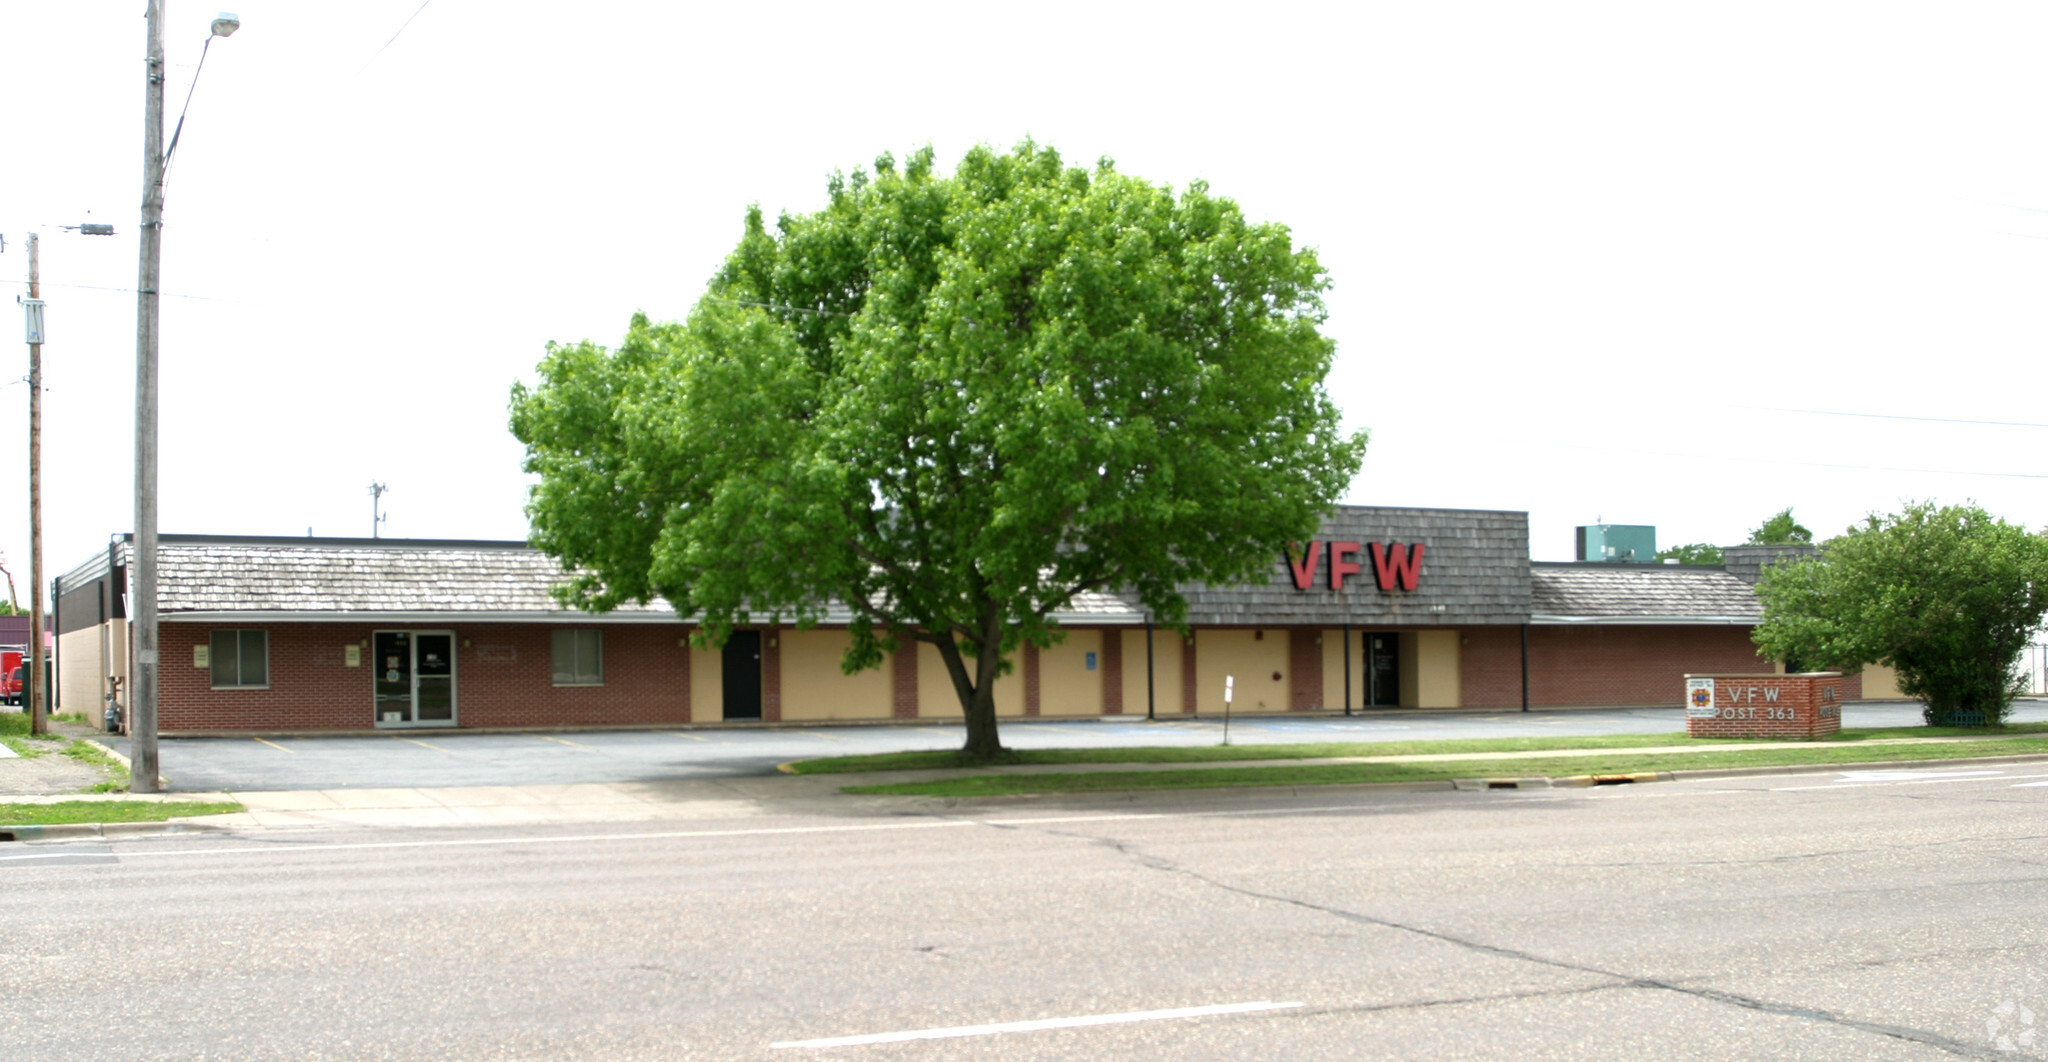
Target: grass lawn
x,y
921,761
1621,762
74,811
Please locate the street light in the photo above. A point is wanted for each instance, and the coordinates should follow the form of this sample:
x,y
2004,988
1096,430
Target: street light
x,y
155,160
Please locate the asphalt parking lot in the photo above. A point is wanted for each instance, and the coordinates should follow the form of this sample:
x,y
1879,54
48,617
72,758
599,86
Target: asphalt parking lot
x,y
445,758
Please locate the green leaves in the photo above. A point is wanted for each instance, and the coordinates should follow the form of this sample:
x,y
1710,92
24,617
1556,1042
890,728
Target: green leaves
x,y
1946,596
949,404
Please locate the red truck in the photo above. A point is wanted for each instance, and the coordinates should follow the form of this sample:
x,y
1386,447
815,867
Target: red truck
x,y
12,676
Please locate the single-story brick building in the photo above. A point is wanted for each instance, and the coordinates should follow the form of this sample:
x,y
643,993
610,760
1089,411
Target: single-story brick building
x,y
1385,608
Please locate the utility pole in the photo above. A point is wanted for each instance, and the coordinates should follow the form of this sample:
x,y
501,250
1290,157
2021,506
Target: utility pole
x,y
142,687
377,492
33,690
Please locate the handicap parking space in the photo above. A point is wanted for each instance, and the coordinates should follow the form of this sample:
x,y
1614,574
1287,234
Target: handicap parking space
x,y
430,758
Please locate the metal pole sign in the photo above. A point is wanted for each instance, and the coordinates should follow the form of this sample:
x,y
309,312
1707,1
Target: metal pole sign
x,y
1228,682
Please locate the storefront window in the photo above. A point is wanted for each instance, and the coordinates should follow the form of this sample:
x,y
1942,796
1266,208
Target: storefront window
x,y
579,658
240,660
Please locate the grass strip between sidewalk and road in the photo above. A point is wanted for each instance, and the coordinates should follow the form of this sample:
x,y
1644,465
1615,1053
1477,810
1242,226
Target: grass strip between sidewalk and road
x,y
1622,761
1321,750
70,812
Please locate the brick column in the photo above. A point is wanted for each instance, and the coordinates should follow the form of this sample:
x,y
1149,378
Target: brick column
x,y
683,672
1113,672
1030,679
903,672
771,675
1305,660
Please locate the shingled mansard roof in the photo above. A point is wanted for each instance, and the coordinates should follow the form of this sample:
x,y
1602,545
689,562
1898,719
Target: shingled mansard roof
x,y
313,579
1659,594
398,580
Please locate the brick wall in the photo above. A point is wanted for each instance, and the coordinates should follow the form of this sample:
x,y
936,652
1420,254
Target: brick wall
x,y
1575,666
503,677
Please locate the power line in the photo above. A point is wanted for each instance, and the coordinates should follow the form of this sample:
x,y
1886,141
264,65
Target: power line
x,y
1901,416
1778,461
401,30
129,291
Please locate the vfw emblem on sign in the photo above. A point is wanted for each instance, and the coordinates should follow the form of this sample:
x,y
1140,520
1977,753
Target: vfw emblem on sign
x,y
1699,698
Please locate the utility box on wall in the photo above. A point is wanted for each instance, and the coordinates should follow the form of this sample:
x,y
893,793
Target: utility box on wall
x,y
1763,706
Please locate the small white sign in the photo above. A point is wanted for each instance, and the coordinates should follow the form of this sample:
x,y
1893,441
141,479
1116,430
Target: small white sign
x,y
1699,698
1228,682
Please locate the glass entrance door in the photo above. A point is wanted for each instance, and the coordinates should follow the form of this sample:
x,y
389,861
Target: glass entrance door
x,y
415,678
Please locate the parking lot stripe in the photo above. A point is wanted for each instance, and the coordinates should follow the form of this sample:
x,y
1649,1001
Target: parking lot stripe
x,y
560,741
1034,1026
421,744
275,745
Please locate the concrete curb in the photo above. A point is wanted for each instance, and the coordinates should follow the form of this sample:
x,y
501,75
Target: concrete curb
x,y
74,830
1823,768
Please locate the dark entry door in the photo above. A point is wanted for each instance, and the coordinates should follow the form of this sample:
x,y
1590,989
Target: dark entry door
x,y
1382,670
743,675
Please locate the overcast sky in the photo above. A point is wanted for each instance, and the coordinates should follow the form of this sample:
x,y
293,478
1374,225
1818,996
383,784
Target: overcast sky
x,y
1681,266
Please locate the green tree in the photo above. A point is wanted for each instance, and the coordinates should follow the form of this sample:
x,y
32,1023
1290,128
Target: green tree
x,y
950,405
1945,596
1692,553
1780,530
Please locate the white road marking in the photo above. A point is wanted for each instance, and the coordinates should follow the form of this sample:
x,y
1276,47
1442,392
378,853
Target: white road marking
x,y
1034,1026
1909,778
928,824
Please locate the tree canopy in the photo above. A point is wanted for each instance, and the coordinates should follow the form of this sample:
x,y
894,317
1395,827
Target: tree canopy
x,y
1948,597
1692,553
1780,530
950,405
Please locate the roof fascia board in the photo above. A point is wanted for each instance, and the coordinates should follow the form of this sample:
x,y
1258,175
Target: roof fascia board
x,y
1541,620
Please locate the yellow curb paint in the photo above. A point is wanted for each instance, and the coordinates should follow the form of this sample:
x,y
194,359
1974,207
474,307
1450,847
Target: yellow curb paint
x,y
275,745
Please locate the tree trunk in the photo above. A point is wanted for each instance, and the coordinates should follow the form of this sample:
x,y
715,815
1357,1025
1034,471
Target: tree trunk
x,y
983,744
977,693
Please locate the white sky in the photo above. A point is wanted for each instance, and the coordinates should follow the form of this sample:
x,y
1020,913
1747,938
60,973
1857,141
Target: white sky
x,y
1586,257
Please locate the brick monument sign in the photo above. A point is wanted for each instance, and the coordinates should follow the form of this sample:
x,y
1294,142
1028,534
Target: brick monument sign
x,y
1763,706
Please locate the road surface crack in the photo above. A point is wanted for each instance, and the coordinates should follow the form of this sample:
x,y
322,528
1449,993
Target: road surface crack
x,y
1622,980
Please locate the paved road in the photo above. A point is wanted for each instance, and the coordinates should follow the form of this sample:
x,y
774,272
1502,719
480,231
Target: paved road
x,y
427,758
1887,916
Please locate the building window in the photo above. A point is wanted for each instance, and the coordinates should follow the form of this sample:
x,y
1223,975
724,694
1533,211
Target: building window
x,y
579,658
240,660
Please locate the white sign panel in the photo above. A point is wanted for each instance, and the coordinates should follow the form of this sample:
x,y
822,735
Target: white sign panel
x,y
1699,698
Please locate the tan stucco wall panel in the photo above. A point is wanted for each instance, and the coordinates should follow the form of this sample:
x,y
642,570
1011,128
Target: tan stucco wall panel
x,y
814,687
1065,685
1436,670
1251,659
1881,683
707,685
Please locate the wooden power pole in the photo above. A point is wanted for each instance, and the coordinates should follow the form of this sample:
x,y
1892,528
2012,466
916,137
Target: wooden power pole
x,y
33,689
142,618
